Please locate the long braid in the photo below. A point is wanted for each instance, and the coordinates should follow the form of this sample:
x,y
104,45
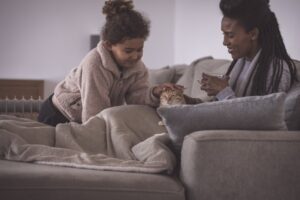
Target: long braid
x,y
273,51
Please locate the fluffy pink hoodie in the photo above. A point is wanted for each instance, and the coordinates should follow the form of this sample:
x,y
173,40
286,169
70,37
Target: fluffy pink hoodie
x,y
97,83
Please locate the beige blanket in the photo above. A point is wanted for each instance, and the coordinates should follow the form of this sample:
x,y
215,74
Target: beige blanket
x,y
125,138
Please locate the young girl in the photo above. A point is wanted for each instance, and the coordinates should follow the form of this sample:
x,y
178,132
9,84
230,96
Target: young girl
x,y
261,64
109,75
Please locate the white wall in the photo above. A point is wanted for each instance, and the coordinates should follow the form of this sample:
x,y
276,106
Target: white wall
x,y
198,22
159,48
45,39
197,30
288,15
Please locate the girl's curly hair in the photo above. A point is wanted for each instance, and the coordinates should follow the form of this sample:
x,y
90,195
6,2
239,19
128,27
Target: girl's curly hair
x,y
123,22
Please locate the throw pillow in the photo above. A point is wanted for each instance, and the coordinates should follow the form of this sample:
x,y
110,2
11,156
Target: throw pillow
x,y
162,75
245,113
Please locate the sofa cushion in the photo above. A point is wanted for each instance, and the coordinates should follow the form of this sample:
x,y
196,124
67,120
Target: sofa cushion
x,y
194,73
241,165
214,67
162,75
186,80
179,71
28,181
246,113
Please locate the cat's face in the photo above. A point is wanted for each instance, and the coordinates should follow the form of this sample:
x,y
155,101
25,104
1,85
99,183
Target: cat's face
x,y
171,97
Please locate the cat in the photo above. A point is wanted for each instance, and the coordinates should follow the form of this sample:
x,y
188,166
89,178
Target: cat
x,y
175,97
172,97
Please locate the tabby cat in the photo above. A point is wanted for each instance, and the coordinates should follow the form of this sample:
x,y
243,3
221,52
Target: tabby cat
x,y
171,97
175,97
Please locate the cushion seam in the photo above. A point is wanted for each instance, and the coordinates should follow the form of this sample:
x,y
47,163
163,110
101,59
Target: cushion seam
x,y
92,189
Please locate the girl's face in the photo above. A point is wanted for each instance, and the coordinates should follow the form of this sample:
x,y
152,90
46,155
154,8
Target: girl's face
x,y
128,52
239,42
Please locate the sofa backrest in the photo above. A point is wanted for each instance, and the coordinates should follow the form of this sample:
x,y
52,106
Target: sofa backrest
x,y
194,73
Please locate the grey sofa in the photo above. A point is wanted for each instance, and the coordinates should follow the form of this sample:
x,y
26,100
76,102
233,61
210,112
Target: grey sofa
x,y
215,164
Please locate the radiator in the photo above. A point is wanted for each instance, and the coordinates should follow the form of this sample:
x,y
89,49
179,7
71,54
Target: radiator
x,y
28,108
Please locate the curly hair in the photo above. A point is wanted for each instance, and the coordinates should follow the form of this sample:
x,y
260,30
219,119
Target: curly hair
x,y
123,22
257,14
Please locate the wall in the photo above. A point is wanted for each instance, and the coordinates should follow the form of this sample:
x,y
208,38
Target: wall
x,y
288,15
198,33
197,30
159,48
45,39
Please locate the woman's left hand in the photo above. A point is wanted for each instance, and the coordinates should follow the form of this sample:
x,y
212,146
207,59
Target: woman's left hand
x,y
157,90
212,85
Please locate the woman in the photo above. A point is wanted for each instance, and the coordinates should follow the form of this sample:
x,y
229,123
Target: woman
x,y
261,64
109,75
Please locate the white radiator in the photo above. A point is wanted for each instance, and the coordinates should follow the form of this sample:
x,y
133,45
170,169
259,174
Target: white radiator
x,y
28,108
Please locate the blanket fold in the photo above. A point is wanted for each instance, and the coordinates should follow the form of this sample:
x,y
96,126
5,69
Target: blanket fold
x,y
124,138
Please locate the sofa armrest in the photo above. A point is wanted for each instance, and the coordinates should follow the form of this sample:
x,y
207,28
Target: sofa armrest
x,y
241,165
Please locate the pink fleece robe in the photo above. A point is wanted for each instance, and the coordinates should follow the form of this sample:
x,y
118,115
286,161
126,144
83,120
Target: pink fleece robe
x,y
97,83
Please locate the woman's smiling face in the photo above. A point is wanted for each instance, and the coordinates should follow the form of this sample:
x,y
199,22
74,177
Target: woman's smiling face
x,y
239,42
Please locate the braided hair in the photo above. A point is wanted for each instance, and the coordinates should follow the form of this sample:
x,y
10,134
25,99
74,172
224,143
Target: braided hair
x,y
123,22
257,14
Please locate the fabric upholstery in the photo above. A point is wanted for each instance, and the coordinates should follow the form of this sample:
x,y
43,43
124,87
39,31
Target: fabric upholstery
x,y
247,113
194,73
241,165
187,75
179,71
212,67
162,75
35,182
292,103
292,108
185,80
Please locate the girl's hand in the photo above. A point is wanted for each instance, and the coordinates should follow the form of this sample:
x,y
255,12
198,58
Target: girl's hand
x,y
212,85
157,90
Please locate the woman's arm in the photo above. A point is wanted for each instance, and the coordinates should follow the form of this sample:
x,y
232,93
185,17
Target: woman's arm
x,y
216,86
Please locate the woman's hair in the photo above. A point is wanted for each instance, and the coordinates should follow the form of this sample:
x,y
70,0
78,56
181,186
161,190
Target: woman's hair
x,y
257,14
123,22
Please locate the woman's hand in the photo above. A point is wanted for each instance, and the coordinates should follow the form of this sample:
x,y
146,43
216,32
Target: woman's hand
x,y
212,85
157,90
